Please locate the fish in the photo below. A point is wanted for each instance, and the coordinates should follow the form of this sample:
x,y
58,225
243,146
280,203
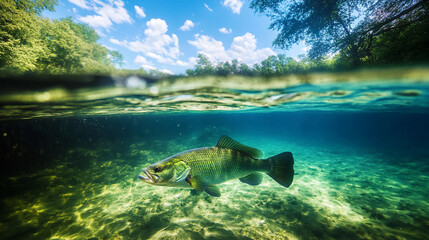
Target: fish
x,y
202,169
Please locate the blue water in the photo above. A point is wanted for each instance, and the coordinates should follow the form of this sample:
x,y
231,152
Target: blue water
x,y
361,169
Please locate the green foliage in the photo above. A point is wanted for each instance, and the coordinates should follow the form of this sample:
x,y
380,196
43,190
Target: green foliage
x,y
138,72
322,24
404,42
72,48
35,6
203,67
116,58
19,39
354,32
141,72
362,31
272,66
29,43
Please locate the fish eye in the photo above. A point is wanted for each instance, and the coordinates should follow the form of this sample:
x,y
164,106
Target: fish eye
x,y
157,169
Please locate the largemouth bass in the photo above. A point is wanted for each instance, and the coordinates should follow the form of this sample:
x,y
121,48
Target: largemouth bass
x,y
202,168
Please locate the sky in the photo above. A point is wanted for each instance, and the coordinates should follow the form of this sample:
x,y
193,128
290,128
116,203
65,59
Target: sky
x,y
168,35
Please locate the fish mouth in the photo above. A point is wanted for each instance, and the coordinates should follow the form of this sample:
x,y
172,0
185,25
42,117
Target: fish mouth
x,y
149,178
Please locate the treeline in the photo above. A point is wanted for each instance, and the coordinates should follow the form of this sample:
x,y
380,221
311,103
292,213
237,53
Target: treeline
x,y
272,66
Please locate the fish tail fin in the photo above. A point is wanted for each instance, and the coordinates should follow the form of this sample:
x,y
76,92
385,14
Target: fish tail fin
x,y
281,169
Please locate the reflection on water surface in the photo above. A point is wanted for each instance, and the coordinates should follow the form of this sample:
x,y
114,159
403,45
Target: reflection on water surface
x,y
404,89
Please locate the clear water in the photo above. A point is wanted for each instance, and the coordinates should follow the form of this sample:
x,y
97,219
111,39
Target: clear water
x,y
71,153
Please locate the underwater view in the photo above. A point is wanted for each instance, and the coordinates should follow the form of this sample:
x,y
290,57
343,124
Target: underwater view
x,y
229,119
72,156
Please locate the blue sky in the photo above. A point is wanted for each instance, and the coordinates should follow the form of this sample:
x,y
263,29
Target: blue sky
x,y
168,35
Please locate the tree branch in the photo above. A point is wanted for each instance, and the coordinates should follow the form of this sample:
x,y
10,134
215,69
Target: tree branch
x,y
378,26
399,26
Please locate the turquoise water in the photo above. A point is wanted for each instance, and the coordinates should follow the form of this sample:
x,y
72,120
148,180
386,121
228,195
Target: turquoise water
x,y
71,155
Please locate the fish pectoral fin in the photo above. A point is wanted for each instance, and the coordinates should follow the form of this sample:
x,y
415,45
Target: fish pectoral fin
x,y
199,186
213,190
252,179
197,183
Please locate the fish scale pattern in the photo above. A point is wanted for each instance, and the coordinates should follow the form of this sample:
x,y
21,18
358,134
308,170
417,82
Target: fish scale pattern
x,y
216,165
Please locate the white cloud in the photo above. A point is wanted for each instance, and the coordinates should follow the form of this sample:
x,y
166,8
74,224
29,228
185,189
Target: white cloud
x,y
304,46
187,25
159,58
182,63
235,5
144,62
224,30
108,13
306,49
243,48
208,8
156,26
97,21
80,3
141,60
166,71
190,63
148,65
156,44
109,48
210,47
140,11
115,41
117,13
155,41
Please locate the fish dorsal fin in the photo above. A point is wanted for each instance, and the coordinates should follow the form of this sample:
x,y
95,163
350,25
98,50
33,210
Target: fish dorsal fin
x,y
227,142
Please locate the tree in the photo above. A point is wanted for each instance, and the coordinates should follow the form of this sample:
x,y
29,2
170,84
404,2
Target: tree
x,y
203,67
224,69
20,44
35,6
116,58
400,38
330,26
31,43
245,70
72,48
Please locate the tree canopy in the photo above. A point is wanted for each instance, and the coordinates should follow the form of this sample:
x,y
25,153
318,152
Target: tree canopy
x,y
353,27
30,43
35,6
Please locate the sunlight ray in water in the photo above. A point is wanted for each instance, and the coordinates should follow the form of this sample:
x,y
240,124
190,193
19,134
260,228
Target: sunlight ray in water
x,y
321,198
